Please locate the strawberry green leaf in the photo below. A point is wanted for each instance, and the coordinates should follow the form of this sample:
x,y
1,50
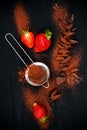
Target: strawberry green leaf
x,y
48,34
43,119
24,31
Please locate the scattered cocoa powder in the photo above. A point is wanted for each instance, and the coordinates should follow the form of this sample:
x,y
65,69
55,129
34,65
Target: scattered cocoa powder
x,y
42,96
42,99
21,75
62,18
62,62
21,17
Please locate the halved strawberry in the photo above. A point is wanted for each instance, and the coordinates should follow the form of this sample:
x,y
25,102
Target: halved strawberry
x,y
28,38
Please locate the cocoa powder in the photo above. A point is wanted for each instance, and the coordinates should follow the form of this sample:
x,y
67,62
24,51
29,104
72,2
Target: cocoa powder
x,y
37,74
62,61
21,17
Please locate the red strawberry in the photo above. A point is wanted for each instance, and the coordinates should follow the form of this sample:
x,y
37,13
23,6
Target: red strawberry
x,y
39,112
28,38
43,41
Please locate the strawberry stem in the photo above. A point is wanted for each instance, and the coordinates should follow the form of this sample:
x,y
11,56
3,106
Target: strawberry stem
x,y
43,119
24,31
48,34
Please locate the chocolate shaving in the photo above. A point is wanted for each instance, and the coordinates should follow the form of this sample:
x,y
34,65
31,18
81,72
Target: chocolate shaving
x,y
63,60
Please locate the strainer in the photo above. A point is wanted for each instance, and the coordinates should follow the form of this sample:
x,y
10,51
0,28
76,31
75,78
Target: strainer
x,y
45,83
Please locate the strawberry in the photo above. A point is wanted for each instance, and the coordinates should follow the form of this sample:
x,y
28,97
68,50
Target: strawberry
x,y
28,38
39,112
42,41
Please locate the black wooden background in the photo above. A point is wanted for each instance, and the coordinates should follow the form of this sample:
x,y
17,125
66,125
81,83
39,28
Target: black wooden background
x,y
72,114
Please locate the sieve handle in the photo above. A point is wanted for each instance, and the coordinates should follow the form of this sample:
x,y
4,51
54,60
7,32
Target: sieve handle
x,y
11,35
46,86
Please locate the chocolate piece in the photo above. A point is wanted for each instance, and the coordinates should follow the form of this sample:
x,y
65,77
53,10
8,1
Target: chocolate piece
x,y
60,80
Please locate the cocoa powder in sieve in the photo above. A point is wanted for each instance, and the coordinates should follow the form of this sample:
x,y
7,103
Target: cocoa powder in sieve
x,y
37,74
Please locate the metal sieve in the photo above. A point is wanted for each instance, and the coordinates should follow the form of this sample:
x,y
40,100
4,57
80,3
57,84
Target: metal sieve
x,y
45,67
32,62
